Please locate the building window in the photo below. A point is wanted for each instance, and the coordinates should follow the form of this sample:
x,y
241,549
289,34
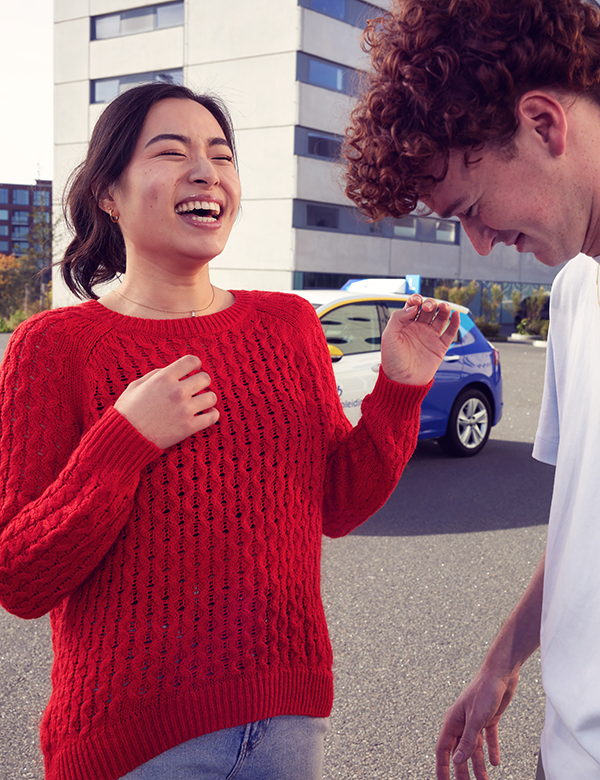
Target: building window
x,y
3,195
20,231
3,230
104,90
325,74
405,228
314,143
20,217
445,231
20,247
324,146
3,246
321,216
335,8
312,215
21,197
442,231
354,12
138,20
4,214
41,198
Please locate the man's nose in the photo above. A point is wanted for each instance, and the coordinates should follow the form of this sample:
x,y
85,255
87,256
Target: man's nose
x,y
480,235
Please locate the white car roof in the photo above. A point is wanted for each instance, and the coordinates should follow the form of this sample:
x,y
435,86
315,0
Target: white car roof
x,y
320,298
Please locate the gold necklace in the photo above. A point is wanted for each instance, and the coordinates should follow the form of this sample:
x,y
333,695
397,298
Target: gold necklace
x,y
169,311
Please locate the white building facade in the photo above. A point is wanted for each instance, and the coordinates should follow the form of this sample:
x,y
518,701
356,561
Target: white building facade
x,y
287,70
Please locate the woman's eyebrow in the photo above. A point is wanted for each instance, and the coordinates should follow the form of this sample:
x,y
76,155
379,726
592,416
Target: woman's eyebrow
x,y
169,137
184,139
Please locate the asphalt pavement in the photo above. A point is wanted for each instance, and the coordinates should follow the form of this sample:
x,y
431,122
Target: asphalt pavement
x,y
413,599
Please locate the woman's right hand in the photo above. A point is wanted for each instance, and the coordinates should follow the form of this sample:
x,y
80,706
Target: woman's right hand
x,y
166,408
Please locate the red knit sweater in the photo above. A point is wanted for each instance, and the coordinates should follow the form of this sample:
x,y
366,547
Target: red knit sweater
x,y
183,584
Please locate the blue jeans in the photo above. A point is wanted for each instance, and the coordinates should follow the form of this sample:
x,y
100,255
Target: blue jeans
x,y
288,747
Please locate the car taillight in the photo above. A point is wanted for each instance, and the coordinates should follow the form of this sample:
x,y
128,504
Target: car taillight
x,y
495,357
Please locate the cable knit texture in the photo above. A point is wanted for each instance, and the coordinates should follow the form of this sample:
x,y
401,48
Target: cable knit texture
x,y
183,584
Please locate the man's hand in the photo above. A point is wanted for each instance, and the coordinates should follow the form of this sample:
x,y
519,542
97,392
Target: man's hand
x,y
416,339
477,710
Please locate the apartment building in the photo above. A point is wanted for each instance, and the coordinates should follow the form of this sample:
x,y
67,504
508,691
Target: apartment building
x,y
22,207
288,69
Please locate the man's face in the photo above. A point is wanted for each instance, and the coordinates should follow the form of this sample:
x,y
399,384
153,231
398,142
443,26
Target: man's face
x,y
520,199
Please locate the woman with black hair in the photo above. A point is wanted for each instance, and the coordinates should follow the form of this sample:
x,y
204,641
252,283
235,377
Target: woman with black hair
x,y
171,454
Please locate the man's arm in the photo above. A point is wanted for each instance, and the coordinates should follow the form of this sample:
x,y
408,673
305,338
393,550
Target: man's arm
x,y
482,703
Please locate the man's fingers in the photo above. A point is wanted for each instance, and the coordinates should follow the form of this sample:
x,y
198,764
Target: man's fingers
x,y
493,744
478,761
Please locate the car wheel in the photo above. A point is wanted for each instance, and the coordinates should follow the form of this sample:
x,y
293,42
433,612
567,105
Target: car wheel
x,y
469,425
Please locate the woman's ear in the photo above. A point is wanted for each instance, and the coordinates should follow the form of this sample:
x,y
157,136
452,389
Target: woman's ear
x,y
545,118
106,202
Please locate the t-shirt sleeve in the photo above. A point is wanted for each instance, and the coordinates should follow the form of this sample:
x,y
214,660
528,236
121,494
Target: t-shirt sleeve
x,y
545,448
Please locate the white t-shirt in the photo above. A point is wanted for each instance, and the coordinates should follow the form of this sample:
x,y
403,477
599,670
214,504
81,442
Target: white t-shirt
x,y
569,437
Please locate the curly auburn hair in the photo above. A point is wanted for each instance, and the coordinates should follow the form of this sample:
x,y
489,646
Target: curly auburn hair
x,y
447,75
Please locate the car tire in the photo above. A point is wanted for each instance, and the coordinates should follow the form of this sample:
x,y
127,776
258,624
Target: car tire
x,y
469,425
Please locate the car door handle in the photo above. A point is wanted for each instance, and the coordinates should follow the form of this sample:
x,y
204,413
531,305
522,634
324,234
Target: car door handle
x,y
375,368
451,358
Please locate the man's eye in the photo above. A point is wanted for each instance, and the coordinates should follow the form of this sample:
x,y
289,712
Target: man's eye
x,y
178,154
224,157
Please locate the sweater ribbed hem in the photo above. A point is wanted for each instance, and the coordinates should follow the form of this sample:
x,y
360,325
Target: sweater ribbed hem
x,y
117,748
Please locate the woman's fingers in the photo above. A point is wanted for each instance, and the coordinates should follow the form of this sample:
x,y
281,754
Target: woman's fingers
x,y
169,404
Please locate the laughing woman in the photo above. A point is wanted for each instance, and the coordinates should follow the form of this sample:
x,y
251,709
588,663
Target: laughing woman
x,y
171,454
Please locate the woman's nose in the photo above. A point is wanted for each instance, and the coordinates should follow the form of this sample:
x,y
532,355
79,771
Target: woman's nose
x,y
204,172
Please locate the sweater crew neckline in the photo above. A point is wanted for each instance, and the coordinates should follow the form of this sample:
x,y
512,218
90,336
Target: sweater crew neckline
x,y
207,324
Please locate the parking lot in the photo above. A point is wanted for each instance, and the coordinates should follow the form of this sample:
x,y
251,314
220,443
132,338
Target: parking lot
x,y
413,599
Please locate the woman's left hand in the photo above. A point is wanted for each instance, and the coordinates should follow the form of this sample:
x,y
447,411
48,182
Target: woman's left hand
x,y
416,339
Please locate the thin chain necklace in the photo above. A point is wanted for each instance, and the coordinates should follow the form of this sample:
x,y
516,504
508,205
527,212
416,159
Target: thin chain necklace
x,y
169,311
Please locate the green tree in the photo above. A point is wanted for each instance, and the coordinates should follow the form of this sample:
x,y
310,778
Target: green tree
x,y
37,258
532,308
454,292
10,285
490,304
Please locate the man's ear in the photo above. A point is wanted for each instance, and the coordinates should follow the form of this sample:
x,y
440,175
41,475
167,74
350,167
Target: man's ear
x,y
544,115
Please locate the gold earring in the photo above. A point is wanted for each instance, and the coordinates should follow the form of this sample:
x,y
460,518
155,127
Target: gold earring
x,y
112,216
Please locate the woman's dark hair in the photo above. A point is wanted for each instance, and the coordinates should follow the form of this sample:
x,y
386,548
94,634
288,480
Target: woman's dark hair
x,y
447,75
97,252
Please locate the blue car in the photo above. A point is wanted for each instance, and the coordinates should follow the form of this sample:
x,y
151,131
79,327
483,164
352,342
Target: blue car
x,y
466,398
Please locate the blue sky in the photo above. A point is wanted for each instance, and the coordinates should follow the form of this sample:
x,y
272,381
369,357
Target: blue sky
x,y
26,90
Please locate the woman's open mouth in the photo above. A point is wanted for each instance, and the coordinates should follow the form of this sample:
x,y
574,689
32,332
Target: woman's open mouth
x,y
200,210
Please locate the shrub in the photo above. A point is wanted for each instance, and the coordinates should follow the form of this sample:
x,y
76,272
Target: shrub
x,y
489,329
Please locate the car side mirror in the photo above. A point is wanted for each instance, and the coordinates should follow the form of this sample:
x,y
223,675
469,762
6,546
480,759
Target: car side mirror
x,y
335,353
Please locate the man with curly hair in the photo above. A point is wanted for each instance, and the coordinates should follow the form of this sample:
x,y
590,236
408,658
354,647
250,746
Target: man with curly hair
x,y
489,110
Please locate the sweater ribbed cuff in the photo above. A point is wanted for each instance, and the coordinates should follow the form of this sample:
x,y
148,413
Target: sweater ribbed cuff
x,y
118,446
396,400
